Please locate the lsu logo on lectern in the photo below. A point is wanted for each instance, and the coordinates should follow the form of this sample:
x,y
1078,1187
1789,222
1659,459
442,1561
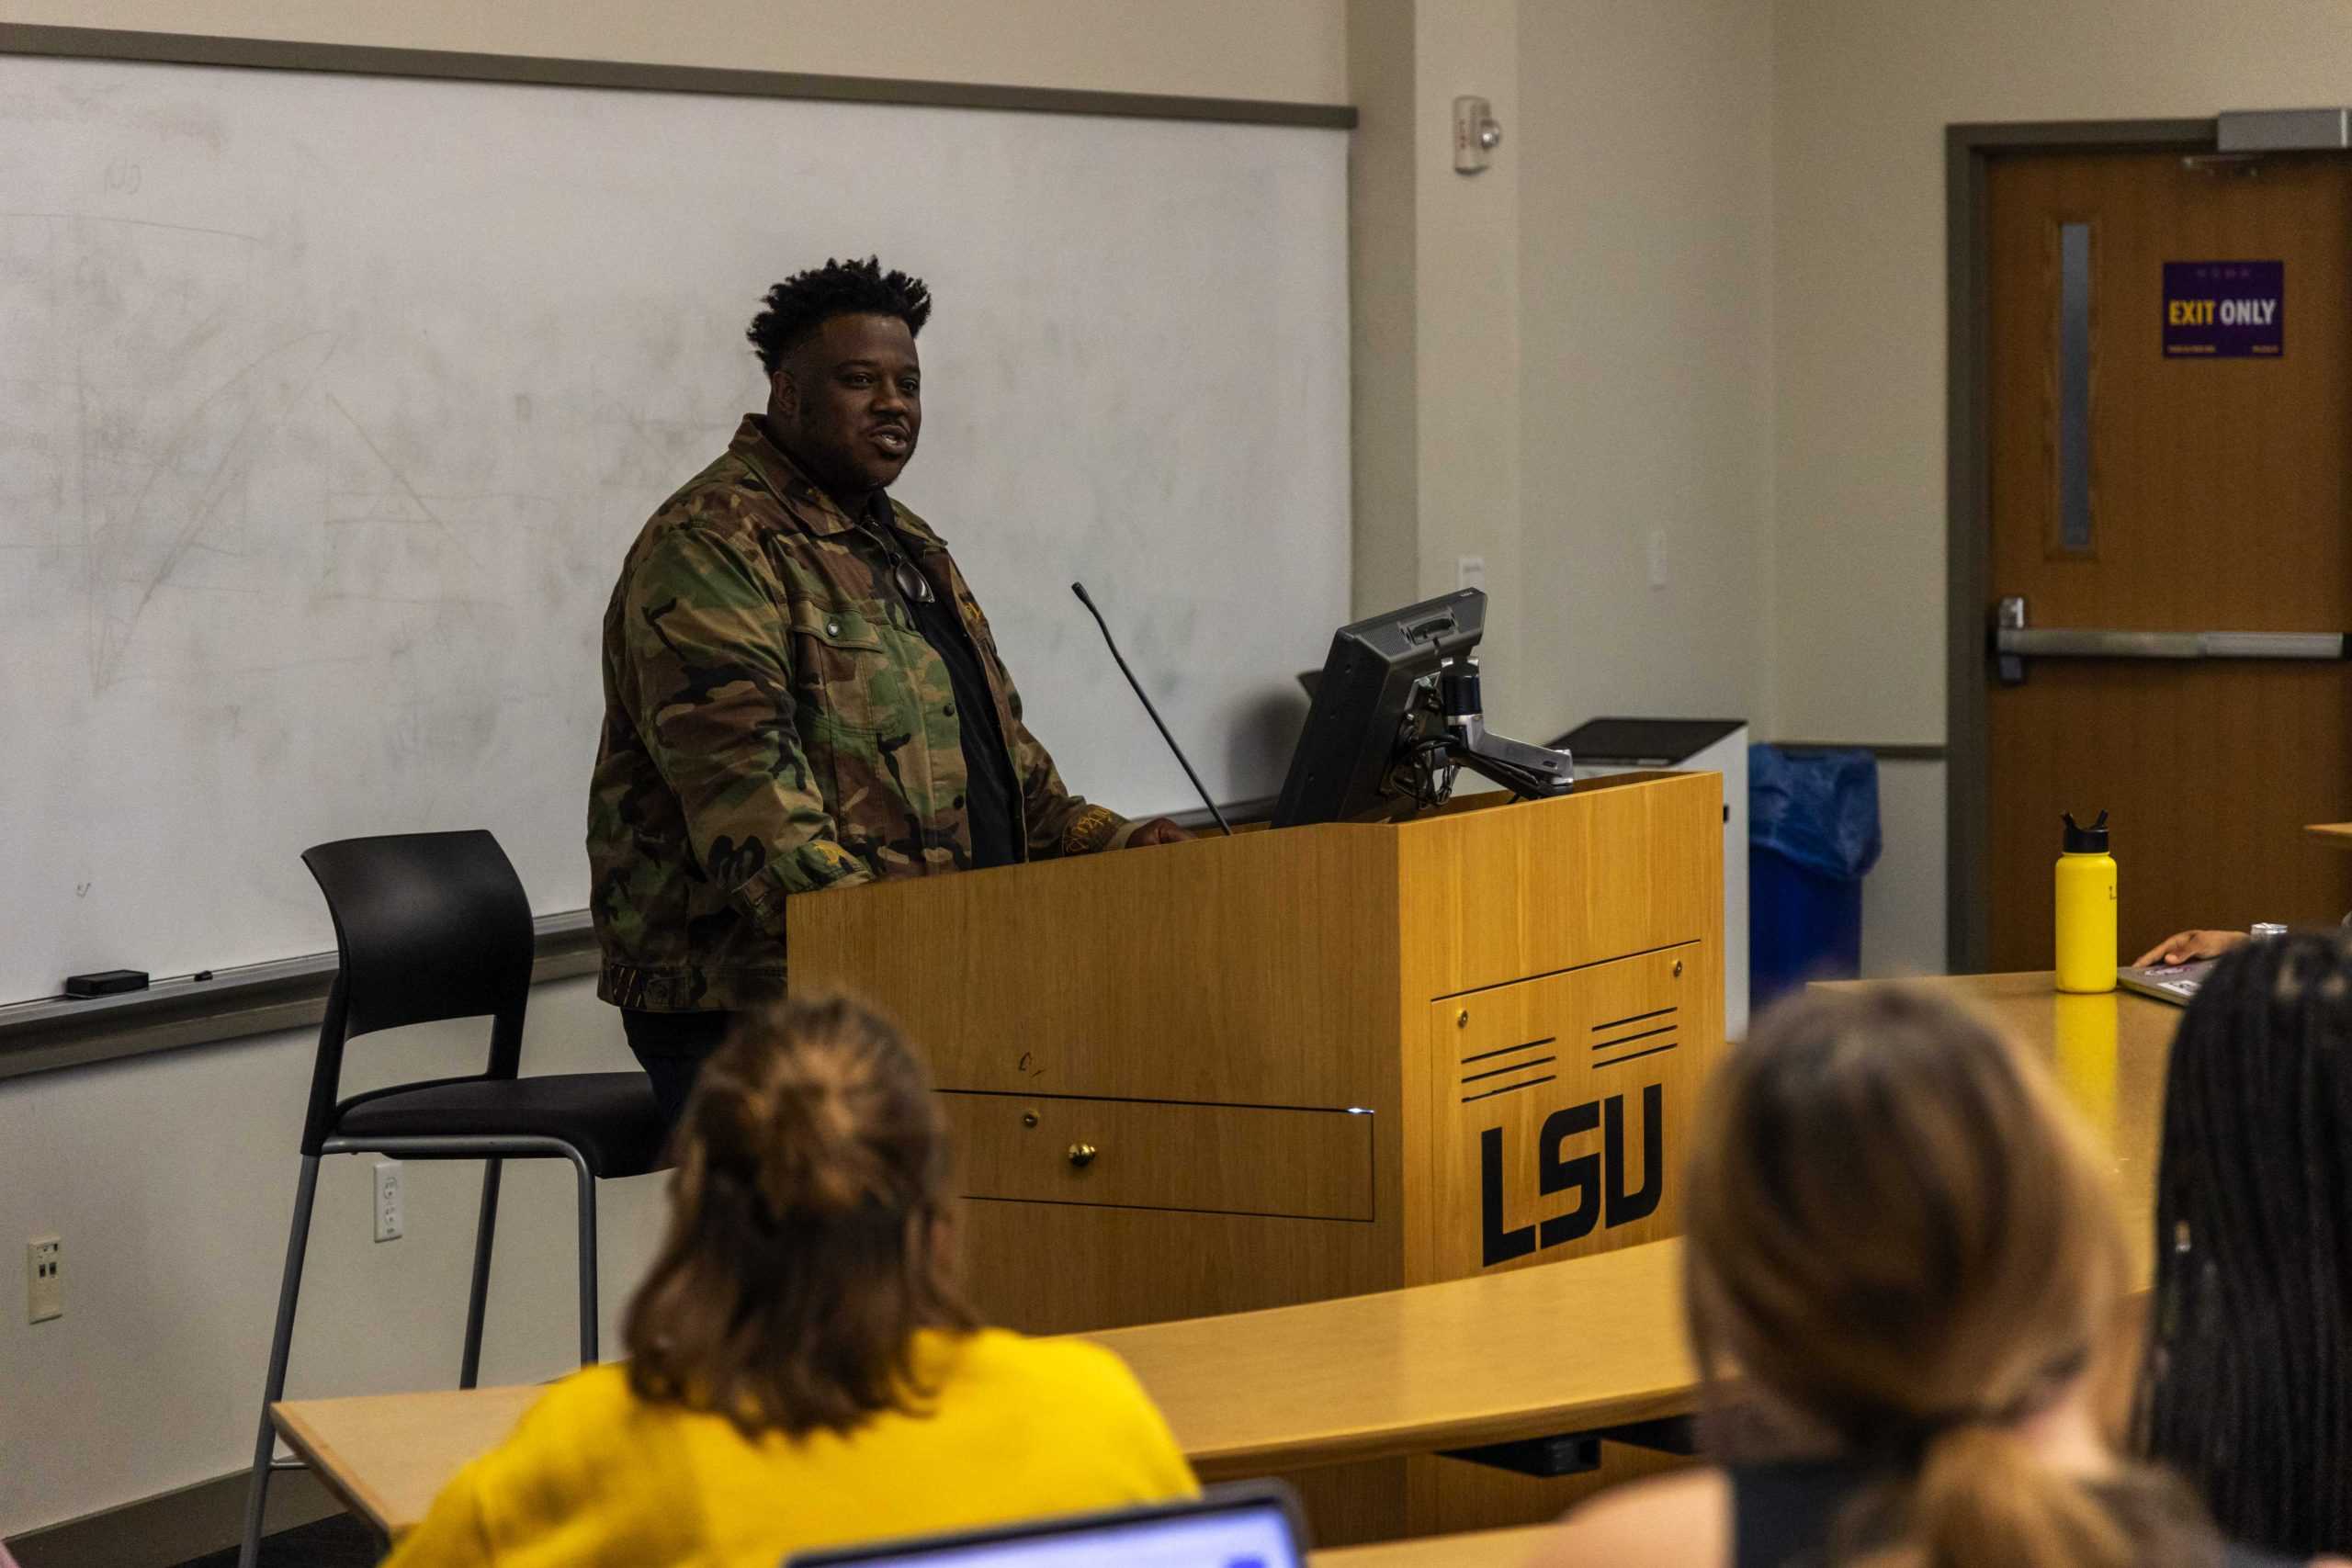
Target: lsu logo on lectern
x,y
1593,1181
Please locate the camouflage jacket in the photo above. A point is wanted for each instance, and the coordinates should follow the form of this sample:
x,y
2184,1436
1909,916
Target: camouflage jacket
x,y
776,724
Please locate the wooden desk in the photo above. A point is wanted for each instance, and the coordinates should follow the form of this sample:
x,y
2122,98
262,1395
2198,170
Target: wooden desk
x,y
388,1455
1562,1348
2110,1052
1451,1365
1411,1372
1480,1549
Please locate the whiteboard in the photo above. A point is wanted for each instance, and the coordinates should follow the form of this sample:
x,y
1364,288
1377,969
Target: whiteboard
x,y
329,405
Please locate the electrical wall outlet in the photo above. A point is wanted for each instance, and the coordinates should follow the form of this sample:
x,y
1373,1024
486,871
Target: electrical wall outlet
x,y
387,1200
44,1279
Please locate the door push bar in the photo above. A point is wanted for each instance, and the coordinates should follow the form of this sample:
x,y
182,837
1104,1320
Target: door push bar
x,y
2014,642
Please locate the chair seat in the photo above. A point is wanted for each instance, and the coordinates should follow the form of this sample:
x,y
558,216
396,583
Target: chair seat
x,y
610,1118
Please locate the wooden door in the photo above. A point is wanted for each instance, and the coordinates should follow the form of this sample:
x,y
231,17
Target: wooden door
x,y
2207,494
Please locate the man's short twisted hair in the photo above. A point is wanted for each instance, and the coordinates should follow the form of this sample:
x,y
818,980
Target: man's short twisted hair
x,y
806,301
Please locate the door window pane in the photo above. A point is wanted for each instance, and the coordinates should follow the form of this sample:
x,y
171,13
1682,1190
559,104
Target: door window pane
x,y
2075,388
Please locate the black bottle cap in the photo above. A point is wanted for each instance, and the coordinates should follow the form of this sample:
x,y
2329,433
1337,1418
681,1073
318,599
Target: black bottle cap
x,y
2090,841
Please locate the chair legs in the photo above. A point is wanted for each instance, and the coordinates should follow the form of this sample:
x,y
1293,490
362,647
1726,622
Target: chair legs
x,y
485,1230
291,1286
587,1261
281,1344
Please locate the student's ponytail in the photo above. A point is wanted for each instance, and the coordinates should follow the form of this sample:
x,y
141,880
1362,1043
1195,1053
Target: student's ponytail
x,y
1981,1495
807,1240
1899,1237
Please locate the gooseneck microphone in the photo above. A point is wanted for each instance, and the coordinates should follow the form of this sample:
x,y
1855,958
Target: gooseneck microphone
x,y
1083,598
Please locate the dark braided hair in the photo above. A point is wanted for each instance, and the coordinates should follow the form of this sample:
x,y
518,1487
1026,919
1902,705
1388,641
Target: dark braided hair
x,y
806,301
2246,1390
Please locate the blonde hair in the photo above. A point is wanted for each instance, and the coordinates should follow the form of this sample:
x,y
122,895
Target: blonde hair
x,y
1899,1233
805,1240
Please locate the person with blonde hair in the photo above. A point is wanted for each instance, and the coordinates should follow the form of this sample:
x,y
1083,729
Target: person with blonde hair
x,y
803,1370
1905,1277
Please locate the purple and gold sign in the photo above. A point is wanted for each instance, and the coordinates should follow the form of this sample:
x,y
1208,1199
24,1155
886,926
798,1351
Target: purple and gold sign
x,y
2225,310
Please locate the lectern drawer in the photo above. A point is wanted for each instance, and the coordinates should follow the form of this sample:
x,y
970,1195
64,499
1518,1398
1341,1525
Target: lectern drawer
x,y
1153,1154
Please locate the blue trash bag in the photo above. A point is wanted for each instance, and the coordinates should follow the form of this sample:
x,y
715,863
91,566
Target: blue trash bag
x,y
1813,831
1817,808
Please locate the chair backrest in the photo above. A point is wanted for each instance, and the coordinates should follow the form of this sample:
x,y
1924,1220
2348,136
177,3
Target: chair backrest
x,y
428,925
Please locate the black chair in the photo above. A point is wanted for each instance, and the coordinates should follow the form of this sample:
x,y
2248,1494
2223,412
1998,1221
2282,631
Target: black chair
x,y
432,925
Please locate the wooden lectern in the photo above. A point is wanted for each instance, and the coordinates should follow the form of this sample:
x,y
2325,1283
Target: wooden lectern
x,y
1289,1064
1250,1071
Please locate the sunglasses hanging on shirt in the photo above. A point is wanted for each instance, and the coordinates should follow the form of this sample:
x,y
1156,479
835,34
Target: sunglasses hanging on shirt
x,y
912,581
913,585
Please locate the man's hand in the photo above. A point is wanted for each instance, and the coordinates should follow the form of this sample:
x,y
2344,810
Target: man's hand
x,y
2186,946
1158,831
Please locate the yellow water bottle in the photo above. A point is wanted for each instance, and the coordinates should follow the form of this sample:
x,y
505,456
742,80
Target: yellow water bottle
x,y
2085,909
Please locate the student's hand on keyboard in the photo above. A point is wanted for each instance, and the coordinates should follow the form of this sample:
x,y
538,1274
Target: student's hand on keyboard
x,y
2184,947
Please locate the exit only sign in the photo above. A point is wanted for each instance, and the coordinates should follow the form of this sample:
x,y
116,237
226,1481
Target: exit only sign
x,y
2225,310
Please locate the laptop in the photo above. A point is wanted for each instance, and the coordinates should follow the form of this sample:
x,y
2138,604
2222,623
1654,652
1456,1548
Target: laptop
x,y
2173,983
1255,1524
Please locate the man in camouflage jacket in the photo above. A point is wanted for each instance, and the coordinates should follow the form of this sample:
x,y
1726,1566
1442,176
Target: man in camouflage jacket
x,y
801,692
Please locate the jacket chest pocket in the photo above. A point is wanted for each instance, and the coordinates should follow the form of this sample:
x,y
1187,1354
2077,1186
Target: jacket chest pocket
x,y
844,677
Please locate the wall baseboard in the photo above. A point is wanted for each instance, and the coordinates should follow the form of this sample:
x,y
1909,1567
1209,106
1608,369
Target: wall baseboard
x,y
172,1526
1885,752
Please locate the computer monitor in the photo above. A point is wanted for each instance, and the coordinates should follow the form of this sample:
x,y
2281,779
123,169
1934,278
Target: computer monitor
x,y
1252,1526
1364,715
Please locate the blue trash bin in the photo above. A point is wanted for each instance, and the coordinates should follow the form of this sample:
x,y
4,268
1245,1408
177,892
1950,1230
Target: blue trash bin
x,y
1813,833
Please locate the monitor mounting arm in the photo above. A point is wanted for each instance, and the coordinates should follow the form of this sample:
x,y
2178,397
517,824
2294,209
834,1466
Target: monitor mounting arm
x,y
1532,772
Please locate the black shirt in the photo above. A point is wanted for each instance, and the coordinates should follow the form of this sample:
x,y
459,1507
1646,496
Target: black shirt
x,y
1782,1515
990,795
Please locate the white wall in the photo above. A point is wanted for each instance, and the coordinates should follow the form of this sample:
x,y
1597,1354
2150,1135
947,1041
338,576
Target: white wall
x,y
1285,49
1435,352
1467,332
171,1177
1902,898
1863,91
1558,356
1643,152
1384,234
171,1180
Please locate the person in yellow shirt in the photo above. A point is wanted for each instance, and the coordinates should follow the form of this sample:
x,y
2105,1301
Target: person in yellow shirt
x,y
803,1372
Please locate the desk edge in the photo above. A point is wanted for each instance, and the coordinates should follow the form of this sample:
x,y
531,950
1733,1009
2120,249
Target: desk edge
x,y
326,1465
1237,1461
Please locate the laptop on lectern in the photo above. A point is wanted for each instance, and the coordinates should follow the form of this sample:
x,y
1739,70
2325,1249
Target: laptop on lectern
x,y
1250,1525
